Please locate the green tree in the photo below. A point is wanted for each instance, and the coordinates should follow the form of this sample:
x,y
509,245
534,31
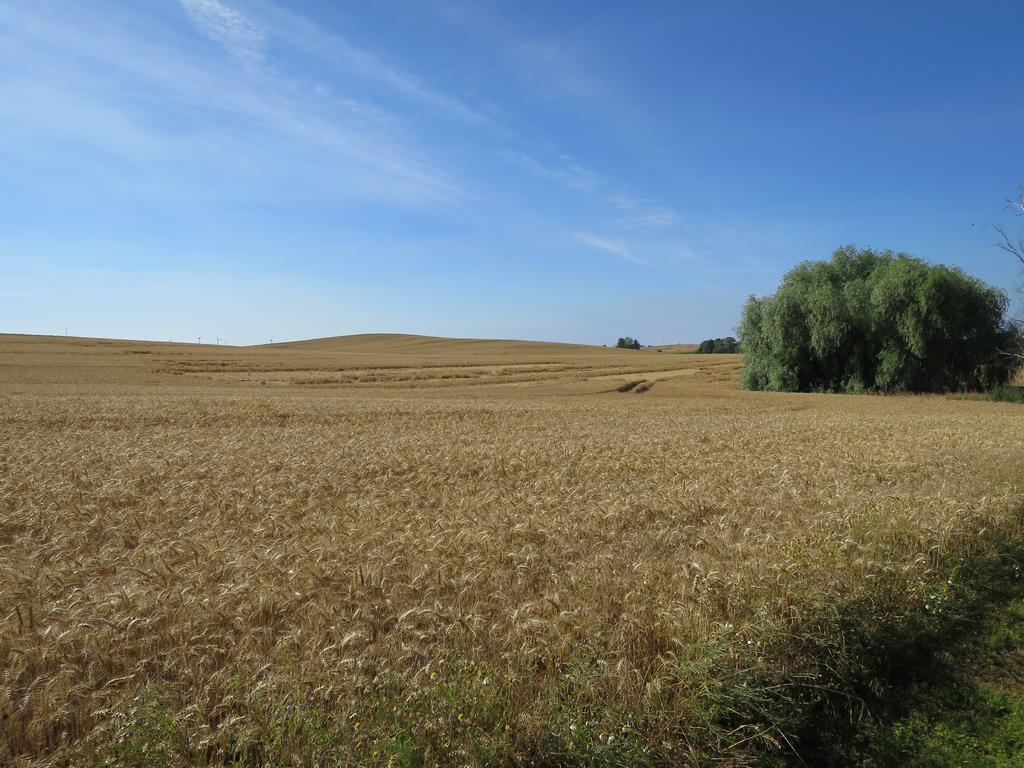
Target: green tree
x,y
870,320
727,345
628,342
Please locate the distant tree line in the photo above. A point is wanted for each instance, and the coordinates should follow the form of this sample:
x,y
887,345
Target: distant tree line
x,y
628,342
712,346
870,320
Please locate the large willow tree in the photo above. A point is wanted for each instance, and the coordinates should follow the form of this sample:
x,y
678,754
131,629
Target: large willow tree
x,y
870,320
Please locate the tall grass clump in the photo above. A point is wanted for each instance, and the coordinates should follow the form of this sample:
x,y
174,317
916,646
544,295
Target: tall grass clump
x,y
1007,393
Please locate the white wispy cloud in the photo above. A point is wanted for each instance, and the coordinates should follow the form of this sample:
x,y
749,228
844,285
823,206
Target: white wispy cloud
x,y
641,213
611,245
653,219
633,214
240,36
552,68
559,69
338,51
567,172
348,144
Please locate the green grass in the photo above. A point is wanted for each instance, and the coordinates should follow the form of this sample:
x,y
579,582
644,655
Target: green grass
x,y
971,715
1007,394
944,689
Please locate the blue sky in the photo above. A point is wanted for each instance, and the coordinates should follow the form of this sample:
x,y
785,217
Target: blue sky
x,y
569,171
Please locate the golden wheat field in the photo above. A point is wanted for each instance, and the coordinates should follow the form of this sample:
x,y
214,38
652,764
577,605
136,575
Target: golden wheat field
x,y
394,550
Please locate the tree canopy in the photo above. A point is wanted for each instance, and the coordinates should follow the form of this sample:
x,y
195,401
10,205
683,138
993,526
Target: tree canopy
x,y
628,342
714,346
876,320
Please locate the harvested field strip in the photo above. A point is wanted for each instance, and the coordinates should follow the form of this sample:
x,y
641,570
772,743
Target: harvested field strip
x,y
435,376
